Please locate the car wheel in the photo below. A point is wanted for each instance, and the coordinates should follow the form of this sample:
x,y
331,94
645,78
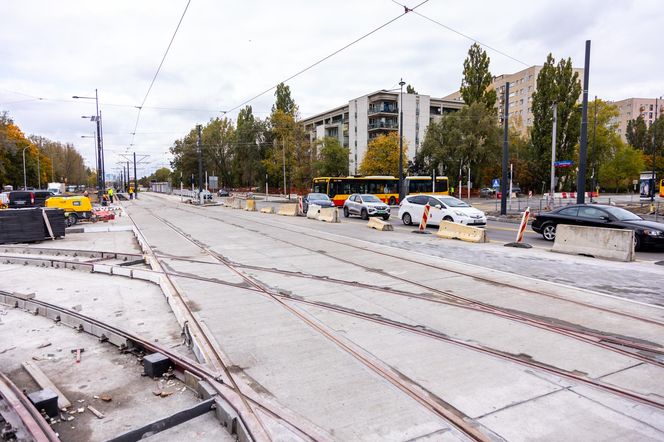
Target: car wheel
x,y
393,201
346,213
386,217
71,220
637,242
549,231
364,215
407,220
448,218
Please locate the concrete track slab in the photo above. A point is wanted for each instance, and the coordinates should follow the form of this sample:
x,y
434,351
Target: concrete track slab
x,y
278,355
565,415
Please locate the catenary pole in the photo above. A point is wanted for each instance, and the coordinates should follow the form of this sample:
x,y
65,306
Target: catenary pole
x,y
135,179
583,145
503,181
401,189
554,135
654,150
592,155
200,160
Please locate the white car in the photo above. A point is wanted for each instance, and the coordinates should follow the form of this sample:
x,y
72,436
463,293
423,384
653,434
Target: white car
x,y
442,208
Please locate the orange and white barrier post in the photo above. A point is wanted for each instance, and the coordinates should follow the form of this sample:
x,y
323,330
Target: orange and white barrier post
x,y
300,208
523,225
425,219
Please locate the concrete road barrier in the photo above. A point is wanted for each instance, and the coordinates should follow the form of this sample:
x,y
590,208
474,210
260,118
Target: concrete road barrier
x,y
329,215
450,230
379,224
250,206
313,211
267,209
290,209
614,244
237,203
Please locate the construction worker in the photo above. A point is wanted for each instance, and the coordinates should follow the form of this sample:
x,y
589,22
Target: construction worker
x,y
110,194
131,193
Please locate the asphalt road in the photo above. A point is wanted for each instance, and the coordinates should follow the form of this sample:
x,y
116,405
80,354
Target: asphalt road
x,y
503,233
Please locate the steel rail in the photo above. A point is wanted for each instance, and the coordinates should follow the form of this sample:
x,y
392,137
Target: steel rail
x,y
183,363
211,347
33,422
429,265
544,367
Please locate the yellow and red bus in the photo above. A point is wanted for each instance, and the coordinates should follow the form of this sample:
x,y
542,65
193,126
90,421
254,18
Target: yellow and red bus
x,y
661,188
386,188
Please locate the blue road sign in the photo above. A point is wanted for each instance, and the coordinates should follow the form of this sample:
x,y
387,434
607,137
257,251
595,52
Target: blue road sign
x,y
563,163
495,183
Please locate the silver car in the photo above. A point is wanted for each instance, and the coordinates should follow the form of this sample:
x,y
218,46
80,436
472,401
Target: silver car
x,y
366,206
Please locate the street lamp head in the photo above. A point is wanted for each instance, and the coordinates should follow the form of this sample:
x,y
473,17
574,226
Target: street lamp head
x,y
401,83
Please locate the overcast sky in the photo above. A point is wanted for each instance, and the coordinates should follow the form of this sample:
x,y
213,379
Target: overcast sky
x,y
228,51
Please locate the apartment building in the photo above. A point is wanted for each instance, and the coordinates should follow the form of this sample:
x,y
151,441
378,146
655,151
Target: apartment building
x,y
632,108
523,85
364,118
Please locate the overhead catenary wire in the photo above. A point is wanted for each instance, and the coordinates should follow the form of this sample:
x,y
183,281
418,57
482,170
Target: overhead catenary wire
x,y
154,78
327,57
474,40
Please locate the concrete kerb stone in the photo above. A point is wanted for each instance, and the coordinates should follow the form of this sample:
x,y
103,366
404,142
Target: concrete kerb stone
x,y
450,230
288,209
379,224
613,244
329,215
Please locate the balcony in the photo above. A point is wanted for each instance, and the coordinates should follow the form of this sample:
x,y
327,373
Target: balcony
x,y
383,125
385,109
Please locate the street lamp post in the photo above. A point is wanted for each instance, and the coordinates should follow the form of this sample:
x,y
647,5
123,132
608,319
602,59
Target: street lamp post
x,y
100,145
401,189
25,177
654,149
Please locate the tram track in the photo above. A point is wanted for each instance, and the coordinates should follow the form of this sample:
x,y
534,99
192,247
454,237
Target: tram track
x,y
128,341
411,261
285,300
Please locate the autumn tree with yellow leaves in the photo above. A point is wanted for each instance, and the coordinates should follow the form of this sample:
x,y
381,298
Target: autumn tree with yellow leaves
x,y
382,156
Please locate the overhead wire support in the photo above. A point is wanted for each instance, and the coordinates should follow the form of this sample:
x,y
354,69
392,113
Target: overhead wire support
x,y
327,57
154,78
474,40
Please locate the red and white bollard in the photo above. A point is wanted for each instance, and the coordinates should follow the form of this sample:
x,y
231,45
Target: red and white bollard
x,y
522,229
425,219
300,207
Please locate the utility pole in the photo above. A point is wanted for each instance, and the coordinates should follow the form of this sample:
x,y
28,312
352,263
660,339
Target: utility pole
x,y
583,145
128,177
283,160
503,181
554,135
38,165
135,179
592,155
654,150
200,162
401,189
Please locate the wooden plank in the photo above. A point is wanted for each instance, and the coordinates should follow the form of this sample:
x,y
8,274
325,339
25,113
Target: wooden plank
x,y
44,382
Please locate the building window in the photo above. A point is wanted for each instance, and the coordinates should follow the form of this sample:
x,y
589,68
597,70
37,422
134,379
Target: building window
x,y
651,107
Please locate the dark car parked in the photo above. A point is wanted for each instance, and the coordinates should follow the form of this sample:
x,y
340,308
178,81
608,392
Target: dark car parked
x,y
320,199
28,198
646,233
21,198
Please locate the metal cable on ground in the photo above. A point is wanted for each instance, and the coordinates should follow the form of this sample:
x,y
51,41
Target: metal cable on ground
x,y
357,40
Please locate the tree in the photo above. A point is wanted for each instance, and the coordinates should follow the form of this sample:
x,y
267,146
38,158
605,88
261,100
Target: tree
x,y
410,90
555,84
469,137
637,133
382,156
477,78
283,101
624,166
332,158
247,167
161,175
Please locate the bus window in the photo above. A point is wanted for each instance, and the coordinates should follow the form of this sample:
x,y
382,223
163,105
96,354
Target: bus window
x,y
320,187
441,185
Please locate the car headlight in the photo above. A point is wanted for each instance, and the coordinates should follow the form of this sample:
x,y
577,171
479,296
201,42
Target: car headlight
x,y
655,233
459,213
371,209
